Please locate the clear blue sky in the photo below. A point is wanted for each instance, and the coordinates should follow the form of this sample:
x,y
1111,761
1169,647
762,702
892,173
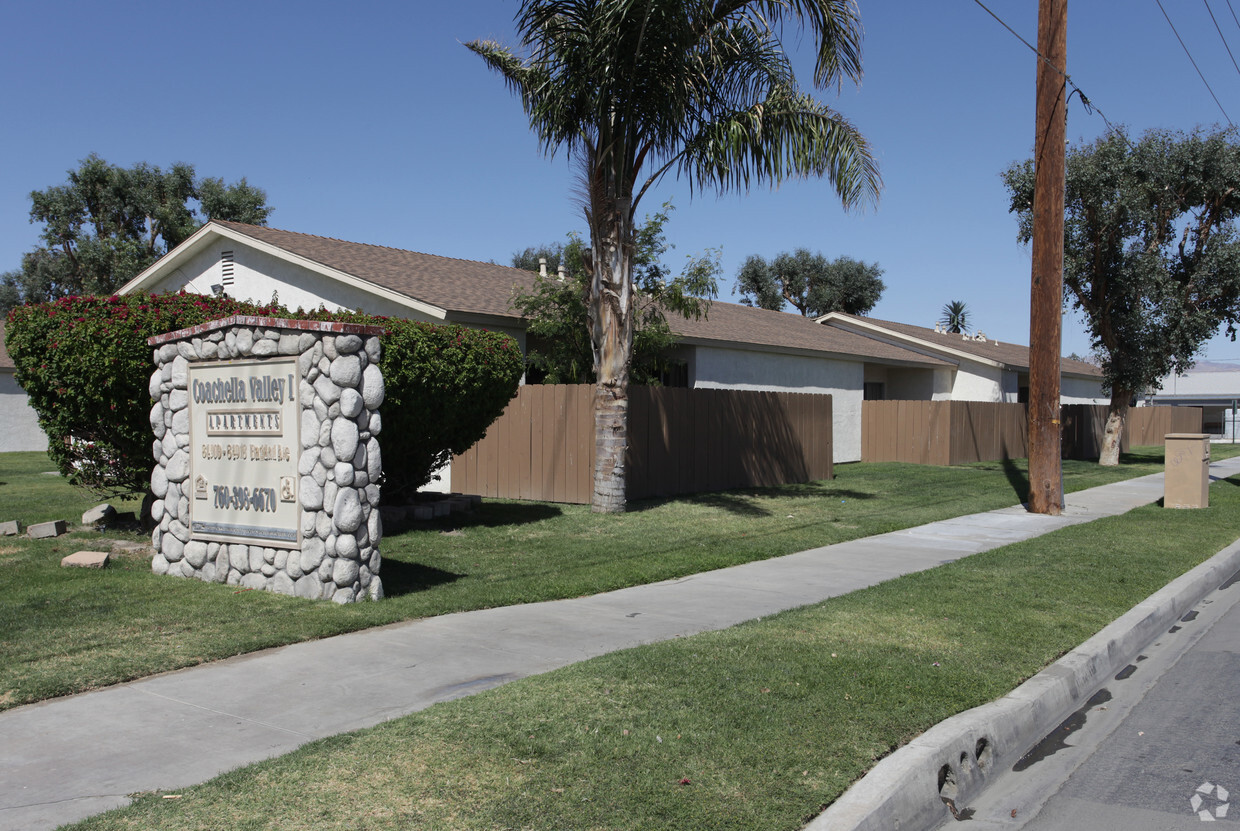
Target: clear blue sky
x,y
369,121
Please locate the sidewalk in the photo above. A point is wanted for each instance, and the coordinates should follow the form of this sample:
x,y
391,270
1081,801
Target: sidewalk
x,y
69,758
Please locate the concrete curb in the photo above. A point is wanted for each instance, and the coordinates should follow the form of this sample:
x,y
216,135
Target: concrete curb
x,y
955,758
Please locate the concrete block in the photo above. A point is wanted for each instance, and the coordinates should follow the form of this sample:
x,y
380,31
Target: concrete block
x,y
44,530
421,513
393,515
441,508
85,559
11,528
99,513
460,504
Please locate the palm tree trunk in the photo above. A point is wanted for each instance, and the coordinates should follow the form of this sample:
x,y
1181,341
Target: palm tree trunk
x,y
611,326
1117,419
611,418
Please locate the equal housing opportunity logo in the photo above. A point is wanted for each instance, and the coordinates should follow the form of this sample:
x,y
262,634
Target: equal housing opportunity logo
x,y
1209,802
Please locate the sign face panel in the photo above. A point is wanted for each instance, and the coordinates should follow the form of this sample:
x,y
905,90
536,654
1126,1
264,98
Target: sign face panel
x,y
244,433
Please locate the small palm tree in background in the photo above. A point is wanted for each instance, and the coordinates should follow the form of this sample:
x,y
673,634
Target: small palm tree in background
x,y
955,317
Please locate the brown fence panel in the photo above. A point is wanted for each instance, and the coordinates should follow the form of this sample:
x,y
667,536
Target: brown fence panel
x,y
880,430
711,439
1186,419
1150,425
961,432
680,441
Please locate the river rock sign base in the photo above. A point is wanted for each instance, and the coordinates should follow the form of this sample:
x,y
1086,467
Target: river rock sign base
x,y
267,450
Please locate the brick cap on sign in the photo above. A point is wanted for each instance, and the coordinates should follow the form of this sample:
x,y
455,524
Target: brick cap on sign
x,y
326,326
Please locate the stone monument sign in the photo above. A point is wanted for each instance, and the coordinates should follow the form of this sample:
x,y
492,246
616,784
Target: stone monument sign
x,y
268,456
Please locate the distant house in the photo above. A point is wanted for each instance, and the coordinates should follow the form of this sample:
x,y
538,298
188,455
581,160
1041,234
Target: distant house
x,y
21,423
978,368
734,346
1214,387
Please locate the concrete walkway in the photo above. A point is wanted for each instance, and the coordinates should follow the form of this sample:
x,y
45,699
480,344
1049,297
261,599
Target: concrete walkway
x,y
69,758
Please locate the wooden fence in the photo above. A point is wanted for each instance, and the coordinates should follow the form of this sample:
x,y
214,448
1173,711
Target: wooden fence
x,y
959,432
680,441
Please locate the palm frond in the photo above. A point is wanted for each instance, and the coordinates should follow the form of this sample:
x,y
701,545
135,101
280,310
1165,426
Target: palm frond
x,y
784,136
835,25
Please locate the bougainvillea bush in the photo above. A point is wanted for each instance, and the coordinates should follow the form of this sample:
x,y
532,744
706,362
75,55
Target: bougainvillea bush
x,y
86,366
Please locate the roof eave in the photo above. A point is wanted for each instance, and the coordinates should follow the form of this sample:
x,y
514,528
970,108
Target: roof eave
x,y
934,363
908,341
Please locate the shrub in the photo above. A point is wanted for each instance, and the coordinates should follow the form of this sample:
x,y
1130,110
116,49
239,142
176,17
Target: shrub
x,y
445,385
86,367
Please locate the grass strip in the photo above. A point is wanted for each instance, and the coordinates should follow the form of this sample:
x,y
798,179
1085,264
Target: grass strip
x,y
754,727
68,630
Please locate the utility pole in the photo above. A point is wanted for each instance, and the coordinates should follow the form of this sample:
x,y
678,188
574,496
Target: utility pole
x,y
1046,299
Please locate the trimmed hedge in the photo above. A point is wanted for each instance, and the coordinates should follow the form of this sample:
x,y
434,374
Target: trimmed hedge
x,y
85,365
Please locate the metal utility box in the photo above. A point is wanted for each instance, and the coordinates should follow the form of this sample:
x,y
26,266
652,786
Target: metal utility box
x,y
1186,483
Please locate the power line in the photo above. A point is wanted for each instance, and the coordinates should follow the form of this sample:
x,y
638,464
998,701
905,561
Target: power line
x,y
1221,37
1233,14
1194,63
1090,107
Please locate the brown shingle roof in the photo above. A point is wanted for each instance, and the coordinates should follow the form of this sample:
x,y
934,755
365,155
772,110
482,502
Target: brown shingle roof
x,y
730,322
465,286
455,285
1012,354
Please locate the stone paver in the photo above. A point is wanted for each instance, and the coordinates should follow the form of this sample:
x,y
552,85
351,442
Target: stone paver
x,y
85,559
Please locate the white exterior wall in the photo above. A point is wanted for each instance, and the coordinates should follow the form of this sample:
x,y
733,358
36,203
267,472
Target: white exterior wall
x,y
258,275
944,380
1082,391
21,423
1221,385
1010,382
978,382
721,368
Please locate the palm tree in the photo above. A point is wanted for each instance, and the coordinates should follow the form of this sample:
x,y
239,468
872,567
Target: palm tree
x,y
634,89
955,317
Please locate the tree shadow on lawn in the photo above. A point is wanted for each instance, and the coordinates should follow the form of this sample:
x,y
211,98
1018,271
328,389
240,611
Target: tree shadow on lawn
x,y
401,578
488,515
1017,478
741,500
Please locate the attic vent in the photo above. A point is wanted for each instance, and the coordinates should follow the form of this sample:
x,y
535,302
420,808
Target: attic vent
x,y
226,268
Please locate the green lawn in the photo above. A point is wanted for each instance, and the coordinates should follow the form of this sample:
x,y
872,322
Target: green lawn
x,y
68,630
755,727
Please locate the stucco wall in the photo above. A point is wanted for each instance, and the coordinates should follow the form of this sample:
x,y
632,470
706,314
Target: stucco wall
x,y
21,424
943,380
721,368
978,382
1082,391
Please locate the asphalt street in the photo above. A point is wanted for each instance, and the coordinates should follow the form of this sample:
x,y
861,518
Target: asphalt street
x,y
1157,748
